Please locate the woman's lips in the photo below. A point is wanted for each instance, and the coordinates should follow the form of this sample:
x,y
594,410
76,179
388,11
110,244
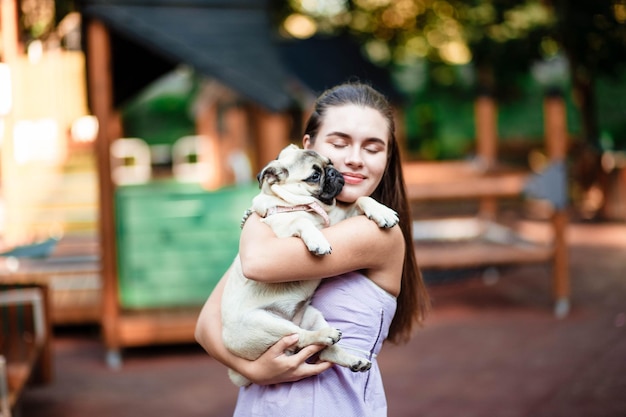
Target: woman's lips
x,y
353,178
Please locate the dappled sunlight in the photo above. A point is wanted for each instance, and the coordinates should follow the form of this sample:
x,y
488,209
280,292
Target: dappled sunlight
x,y
300,26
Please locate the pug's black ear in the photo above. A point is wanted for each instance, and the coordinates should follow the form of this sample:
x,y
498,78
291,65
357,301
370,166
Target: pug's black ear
x,y
272,174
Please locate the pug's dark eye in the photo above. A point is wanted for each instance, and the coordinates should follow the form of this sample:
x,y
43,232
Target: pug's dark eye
x,y
315,177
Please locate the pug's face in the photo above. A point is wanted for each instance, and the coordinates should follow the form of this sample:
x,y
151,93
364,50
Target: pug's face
x,y
303,172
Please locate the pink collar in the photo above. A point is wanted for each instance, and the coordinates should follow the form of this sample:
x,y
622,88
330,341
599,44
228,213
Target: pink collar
x,y
302,207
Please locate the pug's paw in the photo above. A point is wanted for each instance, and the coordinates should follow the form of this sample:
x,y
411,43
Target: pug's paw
x,y
319,247
361,365
379,213
384,217
331,335
327,336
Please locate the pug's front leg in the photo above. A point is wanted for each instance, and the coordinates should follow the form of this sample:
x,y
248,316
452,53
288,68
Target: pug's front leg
x,y
312,237
379,213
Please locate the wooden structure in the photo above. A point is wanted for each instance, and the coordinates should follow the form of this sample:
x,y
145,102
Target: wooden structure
x,y
126,322
46,96
25,342
485,242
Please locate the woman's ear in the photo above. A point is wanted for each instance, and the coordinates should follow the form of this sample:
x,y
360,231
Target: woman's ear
x,y
306,142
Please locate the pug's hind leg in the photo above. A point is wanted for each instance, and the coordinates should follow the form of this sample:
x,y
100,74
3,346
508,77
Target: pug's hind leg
x,y
339,356
317,329
255,332
327,336
314,319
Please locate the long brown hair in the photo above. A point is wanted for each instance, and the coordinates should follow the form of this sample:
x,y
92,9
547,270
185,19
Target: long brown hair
x,y
413,300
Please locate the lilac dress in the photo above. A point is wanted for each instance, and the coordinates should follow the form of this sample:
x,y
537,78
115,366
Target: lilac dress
x,y
363,312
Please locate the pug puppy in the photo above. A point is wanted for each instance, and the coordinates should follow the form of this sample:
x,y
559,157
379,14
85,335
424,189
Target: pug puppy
x,y
297,198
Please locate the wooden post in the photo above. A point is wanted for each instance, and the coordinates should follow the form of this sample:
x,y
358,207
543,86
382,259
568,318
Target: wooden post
x,y
10,38
555,125
100,92
206,126
10,48
44,373
272,135
486,116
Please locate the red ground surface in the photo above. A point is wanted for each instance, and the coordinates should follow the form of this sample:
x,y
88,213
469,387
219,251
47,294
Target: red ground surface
x,y
486,350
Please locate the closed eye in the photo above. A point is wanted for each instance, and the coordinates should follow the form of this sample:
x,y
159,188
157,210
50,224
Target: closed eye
x,y
374,149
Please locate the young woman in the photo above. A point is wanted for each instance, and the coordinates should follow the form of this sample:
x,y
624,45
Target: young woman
x,y
373,289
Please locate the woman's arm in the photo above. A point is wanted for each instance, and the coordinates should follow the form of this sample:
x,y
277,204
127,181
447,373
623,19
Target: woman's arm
x,y
272,367
357,244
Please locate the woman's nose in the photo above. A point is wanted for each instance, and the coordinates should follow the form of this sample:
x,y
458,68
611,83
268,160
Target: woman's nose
x,y
353,157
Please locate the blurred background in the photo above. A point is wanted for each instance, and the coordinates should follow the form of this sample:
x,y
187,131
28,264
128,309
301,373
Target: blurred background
x,y
131,132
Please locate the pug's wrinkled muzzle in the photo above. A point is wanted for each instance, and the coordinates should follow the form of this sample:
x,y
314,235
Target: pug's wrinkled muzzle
x,y
333,183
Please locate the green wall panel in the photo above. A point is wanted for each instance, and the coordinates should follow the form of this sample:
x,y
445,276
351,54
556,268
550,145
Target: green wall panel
x,y
174,241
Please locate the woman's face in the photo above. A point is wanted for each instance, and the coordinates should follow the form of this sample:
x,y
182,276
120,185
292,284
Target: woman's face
x,y
356,140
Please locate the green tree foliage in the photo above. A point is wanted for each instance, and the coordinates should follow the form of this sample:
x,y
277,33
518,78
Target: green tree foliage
x,y
592,34
498,38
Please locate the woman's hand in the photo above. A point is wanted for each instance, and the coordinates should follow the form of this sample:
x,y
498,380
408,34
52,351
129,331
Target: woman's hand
x,y
275,366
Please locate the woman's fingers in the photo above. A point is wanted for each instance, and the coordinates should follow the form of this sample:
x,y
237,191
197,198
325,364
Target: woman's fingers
x,y
308,351
275,366
283,344
290,342
308,368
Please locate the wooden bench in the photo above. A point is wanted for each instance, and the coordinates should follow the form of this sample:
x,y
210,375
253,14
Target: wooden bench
x,y
72,273
486,243
25,343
